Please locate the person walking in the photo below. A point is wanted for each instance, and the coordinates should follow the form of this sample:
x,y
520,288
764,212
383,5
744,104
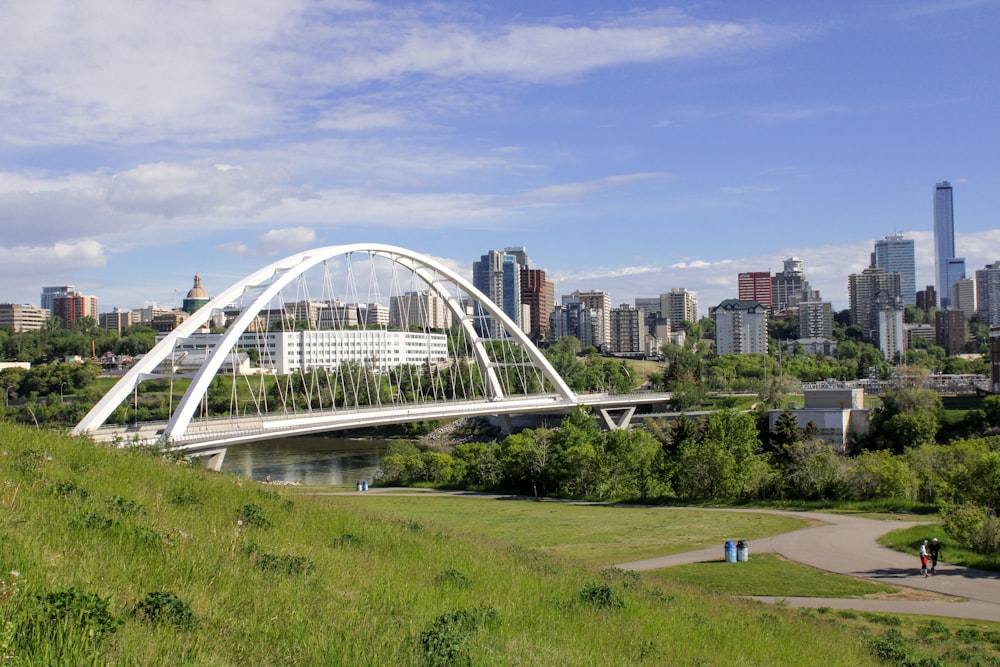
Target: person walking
x,y
934,552
924,557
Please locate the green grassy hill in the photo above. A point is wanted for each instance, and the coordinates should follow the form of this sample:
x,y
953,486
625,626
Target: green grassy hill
x,y
128,558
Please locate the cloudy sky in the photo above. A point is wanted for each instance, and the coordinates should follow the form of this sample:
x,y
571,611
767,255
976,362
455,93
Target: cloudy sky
x,y
629,147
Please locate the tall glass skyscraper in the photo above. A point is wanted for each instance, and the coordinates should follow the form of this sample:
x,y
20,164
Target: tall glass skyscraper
x,y
947,267
896,255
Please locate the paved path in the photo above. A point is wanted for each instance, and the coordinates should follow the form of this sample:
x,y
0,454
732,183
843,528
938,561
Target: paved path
x,y
847,545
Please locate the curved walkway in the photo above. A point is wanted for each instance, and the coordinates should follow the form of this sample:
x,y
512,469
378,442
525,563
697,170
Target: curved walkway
x,y
849,545
846,545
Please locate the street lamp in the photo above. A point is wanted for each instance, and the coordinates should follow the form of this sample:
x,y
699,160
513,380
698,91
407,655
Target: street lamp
x,y
61,385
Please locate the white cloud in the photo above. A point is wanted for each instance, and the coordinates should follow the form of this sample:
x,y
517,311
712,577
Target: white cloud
x,y
274,242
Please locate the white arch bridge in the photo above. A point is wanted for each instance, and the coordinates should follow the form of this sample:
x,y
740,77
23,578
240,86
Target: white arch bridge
x,y
336,338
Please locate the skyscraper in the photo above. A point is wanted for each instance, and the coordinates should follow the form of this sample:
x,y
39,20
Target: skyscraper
x,y
895,254
988,294
755,286
947,267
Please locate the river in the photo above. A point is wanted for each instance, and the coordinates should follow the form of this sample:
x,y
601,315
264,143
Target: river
x,y
307,460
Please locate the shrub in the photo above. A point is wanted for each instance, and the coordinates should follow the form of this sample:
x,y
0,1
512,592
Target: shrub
x,y
253,515
123,505
184,499
166,608
452,576
444,644
601,595
84,610
66,489
287,564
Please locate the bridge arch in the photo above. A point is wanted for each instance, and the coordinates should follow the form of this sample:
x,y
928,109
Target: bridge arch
x,y
268,282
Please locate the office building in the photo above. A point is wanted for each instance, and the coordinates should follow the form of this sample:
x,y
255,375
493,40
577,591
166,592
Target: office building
x,y
117,320
627,331
963,296
679,305
896,254
988,294
947,267
740,327
22,317
755,286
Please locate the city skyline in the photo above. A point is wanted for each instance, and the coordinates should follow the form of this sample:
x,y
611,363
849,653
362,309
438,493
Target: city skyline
x,y
631,151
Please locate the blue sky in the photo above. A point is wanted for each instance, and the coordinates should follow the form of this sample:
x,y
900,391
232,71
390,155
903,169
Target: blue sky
x,y
629,147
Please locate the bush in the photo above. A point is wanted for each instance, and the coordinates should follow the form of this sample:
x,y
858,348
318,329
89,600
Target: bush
x,y
601,595
166,608
444,644
87,611
973,526
287,564
253,515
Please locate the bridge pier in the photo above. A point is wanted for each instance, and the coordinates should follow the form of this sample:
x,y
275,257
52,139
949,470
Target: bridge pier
x,y
214,458
623,421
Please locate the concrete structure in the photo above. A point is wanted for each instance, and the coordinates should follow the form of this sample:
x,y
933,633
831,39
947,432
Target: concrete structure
x,y
755,286
963,296
891,334
740,327
72,306
678,305
950,331
839,415
168,320
823,347
424,310
22,317
988,294
869,292
944,241
627,331
196,297
923,332
896,255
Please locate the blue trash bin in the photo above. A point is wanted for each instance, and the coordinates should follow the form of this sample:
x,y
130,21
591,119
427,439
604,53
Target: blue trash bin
x,y
730,551
364,485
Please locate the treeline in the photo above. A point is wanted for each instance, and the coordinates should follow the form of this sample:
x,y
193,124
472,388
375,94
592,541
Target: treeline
x,y
721,458
82,338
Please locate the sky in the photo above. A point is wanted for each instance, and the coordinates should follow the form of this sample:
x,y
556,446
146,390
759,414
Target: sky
x,y
630,147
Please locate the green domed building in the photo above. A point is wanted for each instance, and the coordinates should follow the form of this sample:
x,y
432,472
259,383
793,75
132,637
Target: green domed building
x,y
196,297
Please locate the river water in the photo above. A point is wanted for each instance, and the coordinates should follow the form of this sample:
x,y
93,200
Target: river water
x,y
307,460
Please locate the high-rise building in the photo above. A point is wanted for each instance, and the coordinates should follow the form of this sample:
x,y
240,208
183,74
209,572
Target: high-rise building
x,y
498,276
740,327
49,293
816,319
600,303
117,320
788,287
627,331
574,319
988,294
72,306
891,334
869,292
678,305
896,254
536,296
947,267
950,328
963,296
927,298
755,286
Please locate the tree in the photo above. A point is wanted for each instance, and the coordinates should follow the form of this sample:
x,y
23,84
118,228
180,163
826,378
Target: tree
x,y
907,418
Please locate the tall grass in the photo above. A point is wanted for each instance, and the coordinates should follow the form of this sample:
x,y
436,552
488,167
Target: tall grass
x,y
275,580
